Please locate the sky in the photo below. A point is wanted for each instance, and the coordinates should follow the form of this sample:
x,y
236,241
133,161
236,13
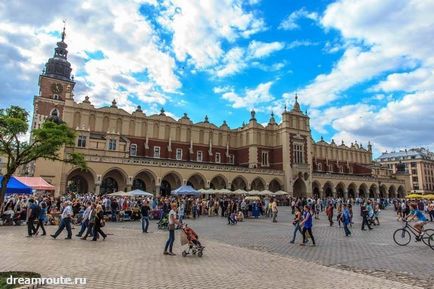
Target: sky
x,y
362,70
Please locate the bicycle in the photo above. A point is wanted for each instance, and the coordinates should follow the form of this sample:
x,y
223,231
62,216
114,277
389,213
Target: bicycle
x,y
402,237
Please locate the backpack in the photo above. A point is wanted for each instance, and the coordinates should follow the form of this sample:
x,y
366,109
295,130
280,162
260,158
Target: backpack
x,y
36,211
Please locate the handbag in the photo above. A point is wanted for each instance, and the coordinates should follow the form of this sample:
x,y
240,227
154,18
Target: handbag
x,y
102,222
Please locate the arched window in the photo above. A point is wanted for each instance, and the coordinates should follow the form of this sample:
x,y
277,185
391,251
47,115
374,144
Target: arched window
x,y
319,166
133,150
55,112
56,97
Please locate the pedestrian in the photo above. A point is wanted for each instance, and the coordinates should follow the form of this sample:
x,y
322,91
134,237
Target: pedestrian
x,y
65,221
307,224
91,222
329,213
172,222
99,223
274,210
85,219
33,211
364,213
296,224
144,210
42,216
346,220
431,211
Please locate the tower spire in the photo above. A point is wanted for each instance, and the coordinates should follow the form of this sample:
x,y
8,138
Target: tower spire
x,y
63,33
296,106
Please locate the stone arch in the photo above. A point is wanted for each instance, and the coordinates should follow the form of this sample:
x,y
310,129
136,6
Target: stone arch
x,y
258,184
352,191
145,180
299,188
197,181
383,191
113,180
316,189
328,189
340,190
275,185
401,191
392,192
171,181
373,191
239,182
363,190
218,182
80,181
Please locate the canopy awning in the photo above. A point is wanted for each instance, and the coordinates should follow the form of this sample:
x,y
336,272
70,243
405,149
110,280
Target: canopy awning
x,y
137,193
36,183
185,191
14,186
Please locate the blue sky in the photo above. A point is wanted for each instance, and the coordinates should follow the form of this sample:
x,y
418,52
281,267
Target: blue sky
x,y
363,70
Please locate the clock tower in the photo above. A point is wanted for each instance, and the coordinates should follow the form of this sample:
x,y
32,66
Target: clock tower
x,y
55,86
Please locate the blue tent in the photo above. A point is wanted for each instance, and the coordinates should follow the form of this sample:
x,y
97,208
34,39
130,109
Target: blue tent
x,y
16,187
185,191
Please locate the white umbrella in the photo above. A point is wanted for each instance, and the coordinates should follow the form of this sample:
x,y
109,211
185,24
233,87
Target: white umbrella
x,y
254,193
223,191
280,193
203,191
266,193
120,194
239,192
136,193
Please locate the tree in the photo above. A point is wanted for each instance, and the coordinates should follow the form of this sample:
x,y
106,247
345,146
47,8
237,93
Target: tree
x,y
46,142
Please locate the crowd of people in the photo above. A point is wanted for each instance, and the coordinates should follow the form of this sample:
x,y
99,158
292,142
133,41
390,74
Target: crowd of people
x,y
91,212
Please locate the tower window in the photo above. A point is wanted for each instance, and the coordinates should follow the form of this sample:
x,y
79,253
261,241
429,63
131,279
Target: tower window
x,y
81,141
56,97
156,152
231,159
298,152
218,158
319,167
264,161
199,156
55,112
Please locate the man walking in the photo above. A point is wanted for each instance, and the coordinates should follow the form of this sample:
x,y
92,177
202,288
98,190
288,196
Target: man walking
x,y
32,213
329,212
85,220
65,222
145,216
346,220
364,212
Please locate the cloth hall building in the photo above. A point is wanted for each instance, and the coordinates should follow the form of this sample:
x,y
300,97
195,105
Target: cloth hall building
x,y
157,153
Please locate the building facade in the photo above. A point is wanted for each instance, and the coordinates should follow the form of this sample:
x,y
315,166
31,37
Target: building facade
x,y
157,153
417,162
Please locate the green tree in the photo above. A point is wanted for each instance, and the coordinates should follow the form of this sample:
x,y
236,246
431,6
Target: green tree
x,y
46,142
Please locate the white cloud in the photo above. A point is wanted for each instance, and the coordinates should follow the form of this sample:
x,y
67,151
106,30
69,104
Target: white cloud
x,y
200,28
131,48
237,59
416,80
290,23
251,98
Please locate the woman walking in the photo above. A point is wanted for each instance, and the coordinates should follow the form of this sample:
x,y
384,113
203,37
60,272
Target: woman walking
x,y
296,223
91,225
172,222
99,222
307,226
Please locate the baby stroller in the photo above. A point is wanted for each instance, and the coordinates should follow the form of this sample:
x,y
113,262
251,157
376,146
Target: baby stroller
x,y
163,224
188,236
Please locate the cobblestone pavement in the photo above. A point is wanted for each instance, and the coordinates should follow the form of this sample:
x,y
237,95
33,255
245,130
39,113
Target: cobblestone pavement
x,y
130,259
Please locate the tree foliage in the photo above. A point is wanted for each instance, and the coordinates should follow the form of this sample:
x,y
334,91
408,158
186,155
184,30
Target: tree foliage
x,y
46,142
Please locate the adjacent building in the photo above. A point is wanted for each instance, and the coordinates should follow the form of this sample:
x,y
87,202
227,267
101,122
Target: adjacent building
x,y
417,162
157,153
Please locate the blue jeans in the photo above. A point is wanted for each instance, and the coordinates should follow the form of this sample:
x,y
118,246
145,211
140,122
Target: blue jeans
x,y
145,220
169,243
296,229
65,223
347,231
84,225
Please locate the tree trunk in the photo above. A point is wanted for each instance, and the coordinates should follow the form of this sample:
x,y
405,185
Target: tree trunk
x,y
4,183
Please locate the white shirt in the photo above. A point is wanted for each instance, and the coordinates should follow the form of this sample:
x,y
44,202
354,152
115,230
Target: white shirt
x,y
67,212
172,213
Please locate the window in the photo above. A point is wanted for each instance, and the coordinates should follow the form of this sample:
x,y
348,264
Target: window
x,y
56,97
81,141
232,159
264,160
298,153
330,168
55,112
199,156
319,167
156,152
179,154
218,158
112,145
133,150
341,169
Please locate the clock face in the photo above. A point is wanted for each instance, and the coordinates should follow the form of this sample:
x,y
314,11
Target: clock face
x,y
56,88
